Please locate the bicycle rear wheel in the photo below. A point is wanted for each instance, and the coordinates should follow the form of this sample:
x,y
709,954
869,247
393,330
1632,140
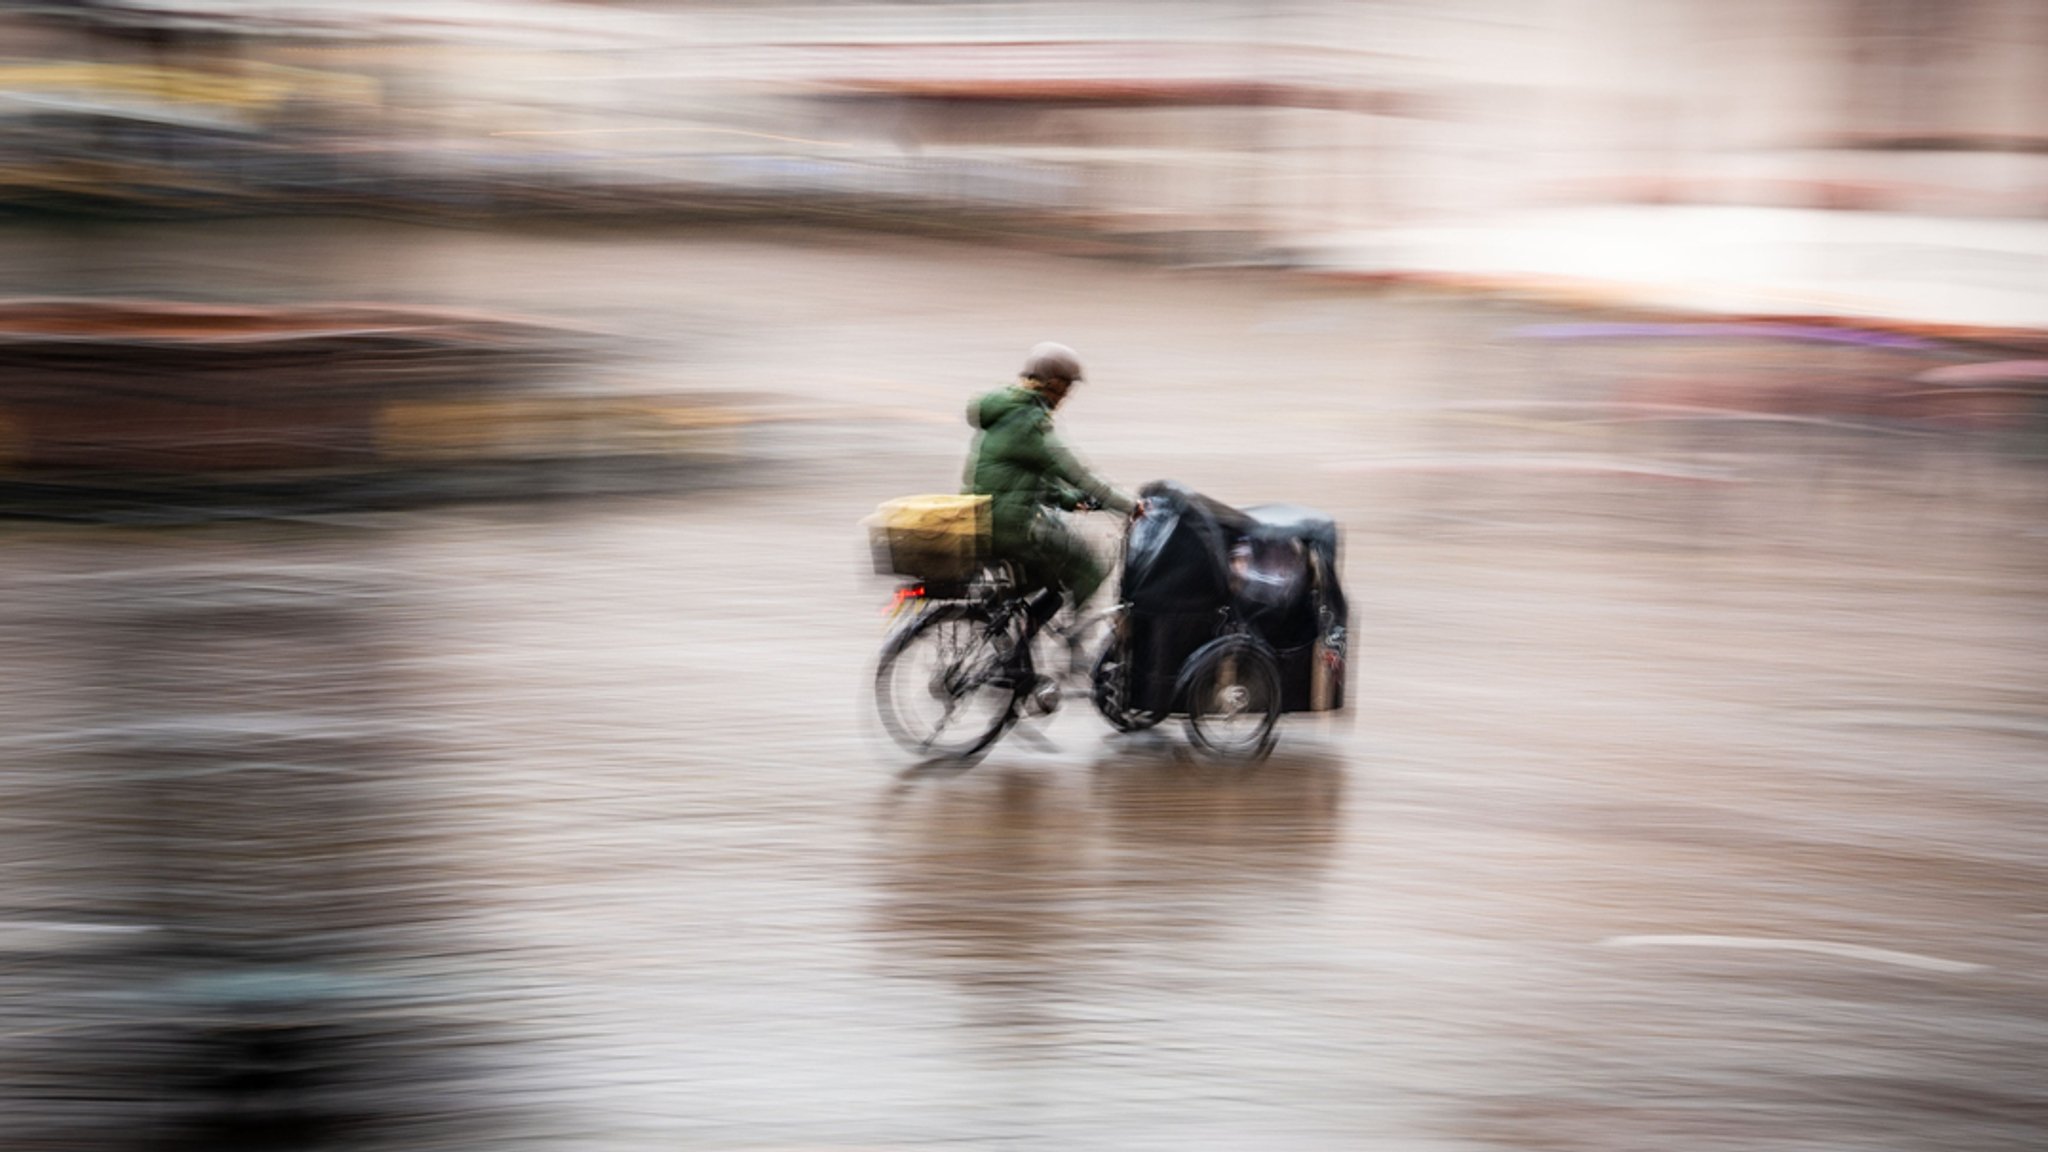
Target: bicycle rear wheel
x,y
947,685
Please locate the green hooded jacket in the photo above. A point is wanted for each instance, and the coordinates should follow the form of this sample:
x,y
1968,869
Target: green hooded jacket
x,y
1021,465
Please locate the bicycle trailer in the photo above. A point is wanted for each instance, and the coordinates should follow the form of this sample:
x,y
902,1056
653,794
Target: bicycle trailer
x,y
1225,608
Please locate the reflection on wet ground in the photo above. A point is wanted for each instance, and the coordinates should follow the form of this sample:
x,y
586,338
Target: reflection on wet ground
x,y
222,906
1025,885
1691,797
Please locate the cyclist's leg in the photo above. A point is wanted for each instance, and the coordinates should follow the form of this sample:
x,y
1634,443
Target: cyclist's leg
x,y
1066,559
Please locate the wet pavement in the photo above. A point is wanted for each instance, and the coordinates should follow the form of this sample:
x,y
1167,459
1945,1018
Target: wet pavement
x,y
1692,795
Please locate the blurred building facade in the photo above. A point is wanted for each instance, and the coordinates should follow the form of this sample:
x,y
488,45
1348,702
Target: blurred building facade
x,y
1256,122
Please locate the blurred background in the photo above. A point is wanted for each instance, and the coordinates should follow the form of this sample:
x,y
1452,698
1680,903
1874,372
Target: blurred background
x,y
433,440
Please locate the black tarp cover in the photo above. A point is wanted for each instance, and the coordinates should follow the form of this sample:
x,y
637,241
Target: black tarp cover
x,y
1177,559
1178,577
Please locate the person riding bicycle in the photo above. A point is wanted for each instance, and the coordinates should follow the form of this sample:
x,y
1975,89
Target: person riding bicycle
x,y
1026,471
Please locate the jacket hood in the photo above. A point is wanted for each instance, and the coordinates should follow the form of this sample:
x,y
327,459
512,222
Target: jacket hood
x,y
987,411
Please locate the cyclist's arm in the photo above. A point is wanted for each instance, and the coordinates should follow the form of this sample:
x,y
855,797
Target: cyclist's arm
x,y
1065,468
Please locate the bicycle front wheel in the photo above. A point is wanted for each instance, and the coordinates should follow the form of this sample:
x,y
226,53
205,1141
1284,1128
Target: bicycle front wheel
x,y
1110,690
1233,699
947,684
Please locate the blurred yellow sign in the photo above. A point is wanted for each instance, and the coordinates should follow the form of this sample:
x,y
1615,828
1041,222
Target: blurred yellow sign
x,y
251,87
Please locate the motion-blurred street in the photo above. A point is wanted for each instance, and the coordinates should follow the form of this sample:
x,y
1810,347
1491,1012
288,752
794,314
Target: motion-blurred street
x,y
1690,796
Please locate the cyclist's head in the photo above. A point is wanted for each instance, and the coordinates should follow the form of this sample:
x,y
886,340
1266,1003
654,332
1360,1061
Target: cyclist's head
x,y
1051,369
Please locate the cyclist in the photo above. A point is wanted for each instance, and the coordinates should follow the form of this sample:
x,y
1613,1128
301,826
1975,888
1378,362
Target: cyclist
x,y
1019,462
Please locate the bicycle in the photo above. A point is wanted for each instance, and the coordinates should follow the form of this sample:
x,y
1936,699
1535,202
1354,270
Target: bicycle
x,y
960,672
1231,620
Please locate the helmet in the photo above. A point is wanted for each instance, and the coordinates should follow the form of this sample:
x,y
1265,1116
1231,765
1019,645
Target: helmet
x,y
1049,363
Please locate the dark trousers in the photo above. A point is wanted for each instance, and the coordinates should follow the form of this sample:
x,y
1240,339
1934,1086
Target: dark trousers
x,y
1052,554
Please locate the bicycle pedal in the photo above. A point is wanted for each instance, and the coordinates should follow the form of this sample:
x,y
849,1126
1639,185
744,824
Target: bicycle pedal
x,y
1043,699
